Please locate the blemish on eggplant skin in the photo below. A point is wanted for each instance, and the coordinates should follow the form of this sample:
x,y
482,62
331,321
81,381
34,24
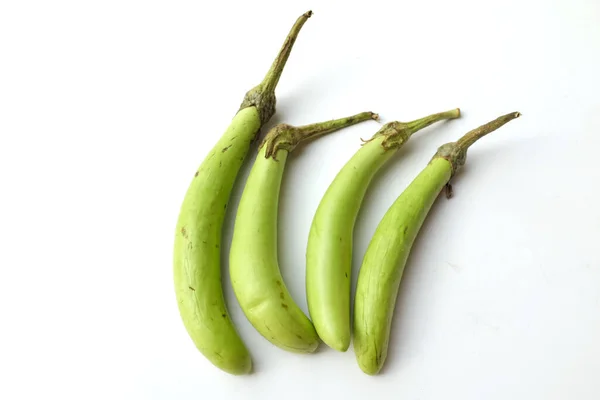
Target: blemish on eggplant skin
x,y
405,229
184,232
196,174
278,283
345,273
225,149
299,337
192,289
223,315
281,296
284,305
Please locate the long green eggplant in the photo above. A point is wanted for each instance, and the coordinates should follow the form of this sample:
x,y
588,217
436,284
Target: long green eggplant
x,y
385,258
329,250
253,261
196,255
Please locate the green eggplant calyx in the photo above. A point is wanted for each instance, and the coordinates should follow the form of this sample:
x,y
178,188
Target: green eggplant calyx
x,y
263,101
396,133
286,137
453,153
262,96
456,152
281,137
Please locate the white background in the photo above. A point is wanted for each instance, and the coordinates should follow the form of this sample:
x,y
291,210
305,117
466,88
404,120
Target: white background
x,y
108,107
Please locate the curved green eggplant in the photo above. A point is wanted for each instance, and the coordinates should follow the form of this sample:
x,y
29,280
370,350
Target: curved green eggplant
x,y
197,254
253,261
329,250
385,258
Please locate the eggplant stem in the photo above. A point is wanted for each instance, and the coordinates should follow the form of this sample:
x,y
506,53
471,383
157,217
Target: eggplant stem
x,y
321,128
456,152
262,96
396,133
417,125
471,137
286,137
271,79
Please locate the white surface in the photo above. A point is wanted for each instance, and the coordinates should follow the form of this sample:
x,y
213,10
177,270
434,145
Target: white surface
x,y
106,109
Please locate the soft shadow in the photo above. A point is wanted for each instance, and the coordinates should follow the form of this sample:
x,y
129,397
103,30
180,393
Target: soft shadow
x,y
323,348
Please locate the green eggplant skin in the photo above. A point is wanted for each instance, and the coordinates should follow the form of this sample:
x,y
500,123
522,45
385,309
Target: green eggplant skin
x,y
196,250
253,257
385,259
253,264
329,249
197,254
